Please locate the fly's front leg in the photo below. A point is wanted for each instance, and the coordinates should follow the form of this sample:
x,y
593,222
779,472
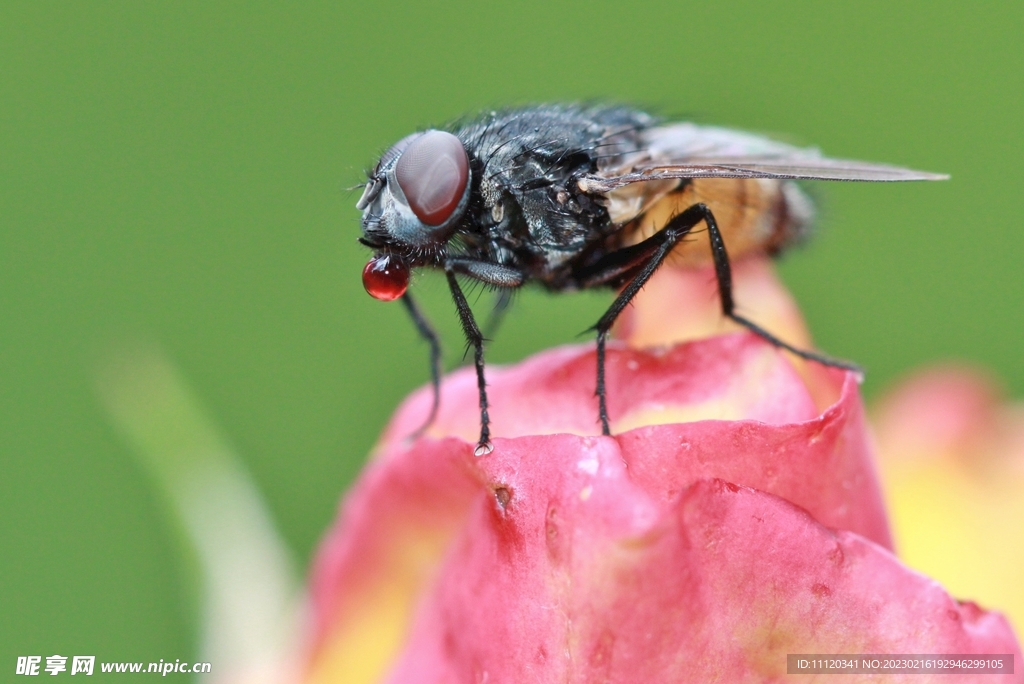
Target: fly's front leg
x,y
638,263
427,332
492,274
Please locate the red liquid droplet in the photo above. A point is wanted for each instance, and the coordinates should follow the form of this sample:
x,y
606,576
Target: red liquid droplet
x,y
386,277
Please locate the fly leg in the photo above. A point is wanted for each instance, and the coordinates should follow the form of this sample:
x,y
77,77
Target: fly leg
x,y
493,274
636,264
427,332
723,273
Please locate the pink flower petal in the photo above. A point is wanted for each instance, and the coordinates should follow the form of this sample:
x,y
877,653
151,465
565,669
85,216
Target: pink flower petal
x,y
550,586
729,407
401,518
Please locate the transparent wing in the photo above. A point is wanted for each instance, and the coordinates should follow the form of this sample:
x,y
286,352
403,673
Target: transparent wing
x,y
690,151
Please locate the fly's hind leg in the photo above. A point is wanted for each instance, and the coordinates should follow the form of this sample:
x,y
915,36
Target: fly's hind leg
x,y
723,273
636,264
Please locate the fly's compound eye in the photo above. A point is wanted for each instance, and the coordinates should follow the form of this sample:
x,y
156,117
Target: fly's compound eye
x,y
386,277
395,151
433,172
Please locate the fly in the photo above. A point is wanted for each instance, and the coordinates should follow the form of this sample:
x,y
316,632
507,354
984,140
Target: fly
x,y
575,197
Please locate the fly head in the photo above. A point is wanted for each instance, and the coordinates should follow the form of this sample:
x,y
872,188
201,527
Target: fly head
x,y
413,201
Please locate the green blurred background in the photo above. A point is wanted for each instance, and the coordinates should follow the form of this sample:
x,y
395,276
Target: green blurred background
x,y
176,173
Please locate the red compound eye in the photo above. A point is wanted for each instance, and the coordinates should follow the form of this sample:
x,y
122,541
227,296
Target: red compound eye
x,y
386,277
433,172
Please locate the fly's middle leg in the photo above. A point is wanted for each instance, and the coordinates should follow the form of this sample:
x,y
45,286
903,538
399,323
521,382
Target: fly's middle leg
x,y
637,263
